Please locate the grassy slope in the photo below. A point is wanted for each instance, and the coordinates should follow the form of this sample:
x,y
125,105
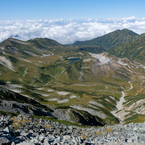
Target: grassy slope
x,y
92,49
134,51
44,42
53,72
111,40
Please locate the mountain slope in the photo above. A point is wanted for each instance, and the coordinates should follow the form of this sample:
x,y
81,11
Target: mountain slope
x,y
134,51
92,49
111,40
18,47
28,48
78,86
69,88
45,42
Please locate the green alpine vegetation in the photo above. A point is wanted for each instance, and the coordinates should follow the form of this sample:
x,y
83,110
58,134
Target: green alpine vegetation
x,y
83,83
133,51
111,40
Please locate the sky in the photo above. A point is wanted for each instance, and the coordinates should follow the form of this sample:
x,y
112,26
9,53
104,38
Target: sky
x,y
67,21
70,9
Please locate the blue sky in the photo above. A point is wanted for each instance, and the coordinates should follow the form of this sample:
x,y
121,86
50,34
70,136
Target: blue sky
x,y
67,21
70,9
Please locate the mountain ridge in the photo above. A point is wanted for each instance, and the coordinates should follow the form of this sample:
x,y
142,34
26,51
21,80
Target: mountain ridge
x,y
45,42
111,39
133,51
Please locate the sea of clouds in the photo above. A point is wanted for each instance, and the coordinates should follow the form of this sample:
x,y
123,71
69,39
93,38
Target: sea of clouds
x,y
67,31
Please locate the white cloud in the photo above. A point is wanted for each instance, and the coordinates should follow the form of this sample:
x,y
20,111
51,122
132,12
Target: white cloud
x,y
129,18
68,31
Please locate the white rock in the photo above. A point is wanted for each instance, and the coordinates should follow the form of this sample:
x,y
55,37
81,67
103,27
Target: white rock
x,y
7,129
26,143
66,137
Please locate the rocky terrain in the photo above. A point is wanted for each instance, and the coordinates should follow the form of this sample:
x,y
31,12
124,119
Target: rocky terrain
x,y
25,130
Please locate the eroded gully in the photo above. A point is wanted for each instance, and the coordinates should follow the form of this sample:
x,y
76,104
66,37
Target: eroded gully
x,y
119,105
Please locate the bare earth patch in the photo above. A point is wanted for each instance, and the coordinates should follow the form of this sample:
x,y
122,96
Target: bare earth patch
x,y
16,90
62,93
96,103
101,57
91,111
50,90
4,61
72,97
45,95
63,101
40,89
53,99
58,101
87,60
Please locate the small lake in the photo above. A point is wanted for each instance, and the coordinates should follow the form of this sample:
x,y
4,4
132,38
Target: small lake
x,y
72,60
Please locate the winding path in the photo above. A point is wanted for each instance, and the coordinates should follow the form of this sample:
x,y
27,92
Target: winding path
x,y
25,72
119,104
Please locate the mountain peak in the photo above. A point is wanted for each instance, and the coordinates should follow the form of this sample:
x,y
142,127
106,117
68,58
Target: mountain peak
x,y
130,32
45,42
112,39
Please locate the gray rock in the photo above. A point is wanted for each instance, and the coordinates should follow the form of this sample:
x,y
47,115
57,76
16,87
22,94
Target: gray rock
x,y
17,140
23,132
57,141
26,143
31,131
4,140
66,137
46,141
7,129
41,137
